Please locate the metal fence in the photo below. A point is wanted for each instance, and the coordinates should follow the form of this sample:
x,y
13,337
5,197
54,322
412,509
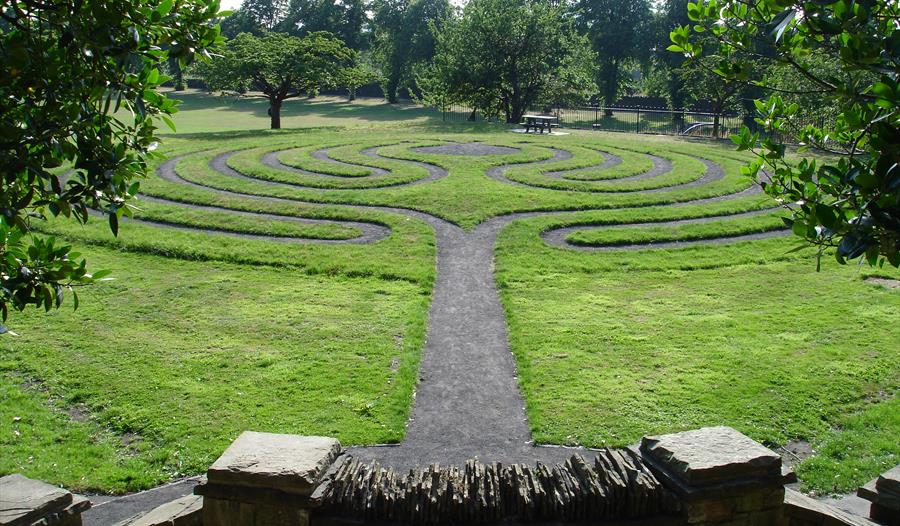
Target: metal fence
x,y
631,120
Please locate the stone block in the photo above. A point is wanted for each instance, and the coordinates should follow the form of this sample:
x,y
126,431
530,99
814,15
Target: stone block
x,y
712,455
710,511
889,481
219,512
287,463
185,511
69,516
760,499
883,493
885,516
25,501
800,509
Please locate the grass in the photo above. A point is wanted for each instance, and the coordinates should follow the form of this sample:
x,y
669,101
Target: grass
x,y
744,335
176,358
160,369
682,232
200,112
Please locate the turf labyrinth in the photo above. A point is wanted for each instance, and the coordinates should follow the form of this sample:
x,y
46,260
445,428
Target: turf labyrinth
x,y
467,401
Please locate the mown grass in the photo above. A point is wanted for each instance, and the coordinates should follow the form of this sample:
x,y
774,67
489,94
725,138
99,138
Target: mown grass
x,y
466,197
176,358
612,236
612,346
202,336
200,112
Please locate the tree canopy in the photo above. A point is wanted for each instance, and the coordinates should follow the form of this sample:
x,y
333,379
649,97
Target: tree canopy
x,y
619,31
852,201
405,39
70,66
503,56
280,66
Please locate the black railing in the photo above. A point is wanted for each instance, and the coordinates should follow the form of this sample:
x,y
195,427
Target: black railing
x,y
631,120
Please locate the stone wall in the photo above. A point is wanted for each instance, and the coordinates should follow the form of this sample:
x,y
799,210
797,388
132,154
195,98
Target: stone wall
x,y
707,477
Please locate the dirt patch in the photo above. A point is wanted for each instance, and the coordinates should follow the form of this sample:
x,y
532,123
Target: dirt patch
x,y
470,149
884,282
78,412
795,452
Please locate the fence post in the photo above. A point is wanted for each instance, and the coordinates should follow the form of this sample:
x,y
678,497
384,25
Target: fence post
x,y
639,119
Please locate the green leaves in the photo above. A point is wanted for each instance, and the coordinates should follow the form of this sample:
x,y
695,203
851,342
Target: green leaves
x,y
502,56
279,65
851,201
73,65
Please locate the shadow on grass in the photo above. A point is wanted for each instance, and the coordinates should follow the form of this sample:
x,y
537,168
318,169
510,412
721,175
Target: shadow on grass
x,y
324,107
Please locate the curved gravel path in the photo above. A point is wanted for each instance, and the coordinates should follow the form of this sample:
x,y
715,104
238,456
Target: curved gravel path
x,y
271,159
467,401
557,236
609,161
369,232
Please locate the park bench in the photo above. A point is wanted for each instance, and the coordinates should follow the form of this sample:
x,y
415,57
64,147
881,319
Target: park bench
x,y
539,123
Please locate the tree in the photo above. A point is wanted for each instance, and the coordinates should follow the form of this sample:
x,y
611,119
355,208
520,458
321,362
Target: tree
x,y
618,32
700,83
70,66
346,19
507,54
851,202
353,77
404,38
280,66
267,14
673,15
241,21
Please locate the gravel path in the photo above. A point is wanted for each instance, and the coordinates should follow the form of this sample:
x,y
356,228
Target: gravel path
x,y
557,236
472,149
271,159
467,401
369,232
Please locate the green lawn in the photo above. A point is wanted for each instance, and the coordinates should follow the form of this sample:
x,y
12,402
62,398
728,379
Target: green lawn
x,y
201,112
173,359
203,335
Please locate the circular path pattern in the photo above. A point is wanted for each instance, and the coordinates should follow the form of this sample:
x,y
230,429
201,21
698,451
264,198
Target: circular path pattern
x,y
467,402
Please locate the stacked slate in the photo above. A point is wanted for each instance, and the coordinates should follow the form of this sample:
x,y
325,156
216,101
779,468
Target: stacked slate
x,y
615,485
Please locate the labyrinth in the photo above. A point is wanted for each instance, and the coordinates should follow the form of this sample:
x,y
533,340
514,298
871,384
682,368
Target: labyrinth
x,y
435,296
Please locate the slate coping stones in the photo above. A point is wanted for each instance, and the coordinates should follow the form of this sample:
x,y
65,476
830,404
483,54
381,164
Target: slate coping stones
x,y
889,481
884,494
24,501
711,455
184,511
811,511
287,463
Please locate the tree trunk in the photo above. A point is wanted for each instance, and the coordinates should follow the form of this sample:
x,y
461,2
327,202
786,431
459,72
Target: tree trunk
x,y
351,94
275,113
716,124
177,74
516,110
391,86
610,81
